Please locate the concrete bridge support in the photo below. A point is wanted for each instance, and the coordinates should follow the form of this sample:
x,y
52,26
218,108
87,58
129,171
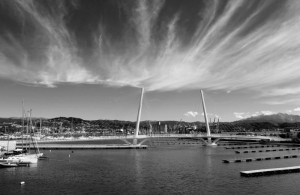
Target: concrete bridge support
x,y
208,142
137,129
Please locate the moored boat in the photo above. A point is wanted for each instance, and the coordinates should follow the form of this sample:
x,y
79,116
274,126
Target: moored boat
x,y
24,158
8,164
13,164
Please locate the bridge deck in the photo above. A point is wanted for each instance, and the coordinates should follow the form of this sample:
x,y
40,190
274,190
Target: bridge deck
x,y
214,136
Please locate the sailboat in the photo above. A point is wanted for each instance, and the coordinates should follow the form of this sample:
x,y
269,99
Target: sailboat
x,y
30,157
22,158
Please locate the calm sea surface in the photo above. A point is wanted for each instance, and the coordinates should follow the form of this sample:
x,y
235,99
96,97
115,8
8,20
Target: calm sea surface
x,y
160,170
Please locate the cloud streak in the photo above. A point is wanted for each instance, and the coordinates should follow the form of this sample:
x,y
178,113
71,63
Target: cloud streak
x,y
243,115
191,114
155,44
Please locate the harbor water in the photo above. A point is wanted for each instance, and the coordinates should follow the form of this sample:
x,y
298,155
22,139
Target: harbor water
x,y
176,169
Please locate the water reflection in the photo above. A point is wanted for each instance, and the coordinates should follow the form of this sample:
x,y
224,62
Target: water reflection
x,y
33,166
138,166
208,158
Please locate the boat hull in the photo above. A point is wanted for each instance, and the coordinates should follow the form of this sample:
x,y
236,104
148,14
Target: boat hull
x,y
22,158
8,165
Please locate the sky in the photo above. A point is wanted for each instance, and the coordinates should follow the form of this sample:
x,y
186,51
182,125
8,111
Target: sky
x,y
90,59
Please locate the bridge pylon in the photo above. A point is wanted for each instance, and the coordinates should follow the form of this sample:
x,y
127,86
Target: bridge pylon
x,y
137,129
208,142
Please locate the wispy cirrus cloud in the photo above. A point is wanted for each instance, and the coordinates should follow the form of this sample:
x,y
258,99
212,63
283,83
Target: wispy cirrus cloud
x,y
213,45
46,57
281,100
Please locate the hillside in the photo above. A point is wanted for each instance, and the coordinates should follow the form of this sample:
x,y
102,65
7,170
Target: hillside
x,y
258,123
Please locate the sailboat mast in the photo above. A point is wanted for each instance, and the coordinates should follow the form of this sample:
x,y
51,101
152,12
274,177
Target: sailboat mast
x,y
218,125
27,124
30,122
7,139
40,126
72,126
31,132
22,124
150,130
30,127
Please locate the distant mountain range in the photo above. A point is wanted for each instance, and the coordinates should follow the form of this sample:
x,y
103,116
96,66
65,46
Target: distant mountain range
x,y
274,119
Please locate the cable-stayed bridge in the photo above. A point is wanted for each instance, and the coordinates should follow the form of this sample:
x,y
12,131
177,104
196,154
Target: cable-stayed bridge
x,y
209,139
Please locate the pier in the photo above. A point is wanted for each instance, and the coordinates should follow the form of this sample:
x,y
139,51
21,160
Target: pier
x,y
238,144
88,146
260,158
272,171
247,147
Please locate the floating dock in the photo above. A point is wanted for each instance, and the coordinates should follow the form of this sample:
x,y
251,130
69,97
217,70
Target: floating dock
x,y
268,150
246,147
238,144
273,171
177,142
88,146
260,158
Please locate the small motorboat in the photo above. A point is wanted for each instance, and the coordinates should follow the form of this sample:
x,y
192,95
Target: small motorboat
x,y
8,164
43,158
